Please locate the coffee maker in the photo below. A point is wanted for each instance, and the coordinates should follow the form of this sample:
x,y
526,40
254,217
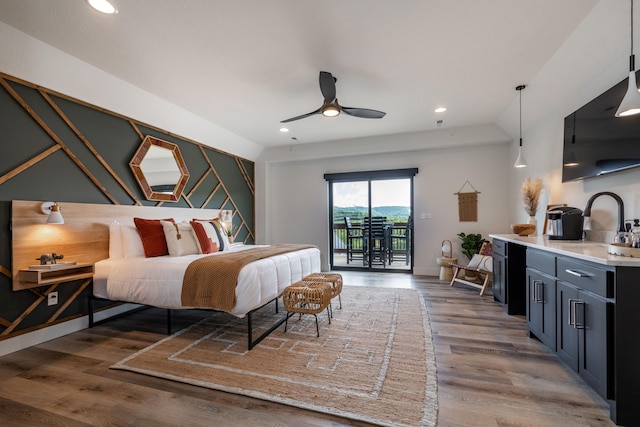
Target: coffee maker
x,y
564,223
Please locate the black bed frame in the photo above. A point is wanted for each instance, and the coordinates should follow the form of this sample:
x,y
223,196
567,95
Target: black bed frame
x,y
250,341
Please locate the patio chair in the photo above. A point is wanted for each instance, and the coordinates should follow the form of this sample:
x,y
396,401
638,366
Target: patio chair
x,y
355,240
401,239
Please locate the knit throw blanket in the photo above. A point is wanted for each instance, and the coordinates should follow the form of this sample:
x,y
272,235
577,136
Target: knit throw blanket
x,y
210,282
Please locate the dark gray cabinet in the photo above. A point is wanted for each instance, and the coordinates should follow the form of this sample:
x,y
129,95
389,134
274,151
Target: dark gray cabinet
x,y
541,307
499,248
509,264
569,311
583,339
596,312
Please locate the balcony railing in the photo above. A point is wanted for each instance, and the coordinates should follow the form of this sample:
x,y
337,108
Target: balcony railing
x,y
340,238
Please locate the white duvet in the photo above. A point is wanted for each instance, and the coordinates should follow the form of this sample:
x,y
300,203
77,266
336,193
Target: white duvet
x,y
158,281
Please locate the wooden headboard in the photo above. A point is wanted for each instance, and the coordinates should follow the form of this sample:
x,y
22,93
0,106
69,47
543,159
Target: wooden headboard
x,y
84,237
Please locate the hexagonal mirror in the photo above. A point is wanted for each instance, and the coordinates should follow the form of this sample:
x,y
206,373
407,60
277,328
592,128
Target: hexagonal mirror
x,y
160,169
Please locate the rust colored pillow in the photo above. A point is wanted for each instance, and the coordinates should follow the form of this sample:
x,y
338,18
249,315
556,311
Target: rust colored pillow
x,y
152,236
207,245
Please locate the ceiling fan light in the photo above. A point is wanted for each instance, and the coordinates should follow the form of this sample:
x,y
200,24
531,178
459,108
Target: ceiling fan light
x,y
330,110
103,6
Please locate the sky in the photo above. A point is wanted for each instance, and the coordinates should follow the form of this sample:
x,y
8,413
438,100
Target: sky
x,y
392,192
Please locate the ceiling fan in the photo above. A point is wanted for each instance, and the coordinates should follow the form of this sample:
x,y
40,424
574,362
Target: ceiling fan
x,y
330,106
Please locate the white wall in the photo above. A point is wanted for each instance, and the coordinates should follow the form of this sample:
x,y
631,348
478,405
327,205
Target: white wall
x,y
29,59
593,59
296,208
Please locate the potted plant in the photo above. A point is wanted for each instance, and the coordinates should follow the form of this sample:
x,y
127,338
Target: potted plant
x,y
530,190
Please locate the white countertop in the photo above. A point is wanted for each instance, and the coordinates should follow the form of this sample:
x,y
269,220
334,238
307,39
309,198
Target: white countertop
x,y
585,250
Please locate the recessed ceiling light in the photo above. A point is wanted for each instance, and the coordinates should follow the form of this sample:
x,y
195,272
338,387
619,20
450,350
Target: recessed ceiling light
x,y
103,6
284,130
440,109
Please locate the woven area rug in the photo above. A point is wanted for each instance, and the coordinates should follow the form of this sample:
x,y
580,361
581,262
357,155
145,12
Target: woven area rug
x,y
374,362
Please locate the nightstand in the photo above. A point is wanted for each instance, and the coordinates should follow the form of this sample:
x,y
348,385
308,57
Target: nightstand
x,y
34,278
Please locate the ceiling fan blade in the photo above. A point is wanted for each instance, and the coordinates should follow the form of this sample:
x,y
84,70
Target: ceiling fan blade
x,y
302,116
363,113
327,86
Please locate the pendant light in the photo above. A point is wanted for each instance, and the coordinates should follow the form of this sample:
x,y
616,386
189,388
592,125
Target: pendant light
x,y
630,104
520,161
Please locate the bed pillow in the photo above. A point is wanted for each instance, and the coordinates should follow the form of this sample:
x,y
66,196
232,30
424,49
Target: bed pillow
x,y
222,235
115,241
180,238
219,235
214,233
206,244
131,242
152,236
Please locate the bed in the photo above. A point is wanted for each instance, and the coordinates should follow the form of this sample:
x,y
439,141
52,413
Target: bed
x,y
201,269
158,281
106,236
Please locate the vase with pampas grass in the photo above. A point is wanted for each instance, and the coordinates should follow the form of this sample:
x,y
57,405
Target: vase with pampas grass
x,y
531,189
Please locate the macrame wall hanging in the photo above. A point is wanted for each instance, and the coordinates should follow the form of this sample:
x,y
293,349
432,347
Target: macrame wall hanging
x,y
468,204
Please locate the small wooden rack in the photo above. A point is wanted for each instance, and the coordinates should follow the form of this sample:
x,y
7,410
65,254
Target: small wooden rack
x,y
34,278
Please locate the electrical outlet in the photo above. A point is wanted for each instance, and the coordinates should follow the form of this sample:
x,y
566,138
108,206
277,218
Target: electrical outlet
x,y
52,298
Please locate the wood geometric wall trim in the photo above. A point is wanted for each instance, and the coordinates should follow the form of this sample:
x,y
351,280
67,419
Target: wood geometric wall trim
x,y
57,148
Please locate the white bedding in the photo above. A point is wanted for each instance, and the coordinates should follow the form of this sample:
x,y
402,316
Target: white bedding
x,y
158,281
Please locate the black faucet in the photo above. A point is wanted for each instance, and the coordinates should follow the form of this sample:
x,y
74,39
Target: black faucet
x,y
587,210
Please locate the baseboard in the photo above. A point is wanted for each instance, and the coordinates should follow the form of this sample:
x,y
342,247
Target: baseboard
x,y
426,271
30,339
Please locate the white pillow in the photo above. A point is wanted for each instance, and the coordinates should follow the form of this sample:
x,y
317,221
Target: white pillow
x,y
475,262
217,235
481,262
131,242
223,234
487,264
180,237
115,241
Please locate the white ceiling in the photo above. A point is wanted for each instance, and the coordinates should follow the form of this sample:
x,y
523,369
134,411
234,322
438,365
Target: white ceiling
x,y
247,64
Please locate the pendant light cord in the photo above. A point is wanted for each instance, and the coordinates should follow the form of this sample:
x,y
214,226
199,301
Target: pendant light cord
x,y
632,60
519,89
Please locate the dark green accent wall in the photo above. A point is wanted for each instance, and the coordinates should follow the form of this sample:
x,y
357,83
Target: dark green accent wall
x,y
57,177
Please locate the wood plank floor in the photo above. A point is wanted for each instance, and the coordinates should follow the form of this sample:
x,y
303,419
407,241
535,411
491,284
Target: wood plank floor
x,y
489,374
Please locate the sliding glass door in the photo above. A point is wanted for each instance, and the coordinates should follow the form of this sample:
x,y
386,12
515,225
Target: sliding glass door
x,y
371,220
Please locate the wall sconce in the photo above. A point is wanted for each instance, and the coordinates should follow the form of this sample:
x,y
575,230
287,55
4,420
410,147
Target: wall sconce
x,y
53,210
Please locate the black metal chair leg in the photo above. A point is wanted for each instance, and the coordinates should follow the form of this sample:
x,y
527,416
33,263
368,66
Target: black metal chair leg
x,y
317,327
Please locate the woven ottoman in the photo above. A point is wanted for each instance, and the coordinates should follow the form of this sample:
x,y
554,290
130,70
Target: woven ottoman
x,y
307,297
333,279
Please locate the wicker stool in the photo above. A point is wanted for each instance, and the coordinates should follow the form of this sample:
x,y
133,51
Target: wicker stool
x,y
307,298
333,279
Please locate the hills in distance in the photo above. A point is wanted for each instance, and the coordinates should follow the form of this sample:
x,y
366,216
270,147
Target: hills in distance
x,y
392,213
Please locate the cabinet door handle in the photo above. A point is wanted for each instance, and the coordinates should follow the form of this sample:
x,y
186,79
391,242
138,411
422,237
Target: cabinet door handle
x,y
538,291
577,273
580,324
573,313
570,307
